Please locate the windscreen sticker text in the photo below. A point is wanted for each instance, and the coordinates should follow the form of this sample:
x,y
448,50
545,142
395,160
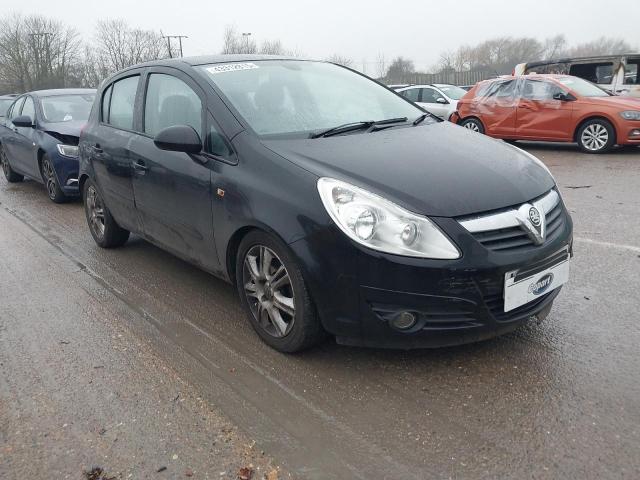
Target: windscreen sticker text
x,y
231,67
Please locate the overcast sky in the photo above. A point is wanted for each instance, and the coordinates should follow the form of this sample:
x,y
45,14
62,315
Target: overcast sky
x,y
418,29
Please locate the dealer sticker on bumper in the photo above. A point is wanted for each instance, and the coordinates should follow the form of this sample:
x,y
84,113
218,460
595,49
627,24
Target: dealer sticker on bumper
x,y
520,291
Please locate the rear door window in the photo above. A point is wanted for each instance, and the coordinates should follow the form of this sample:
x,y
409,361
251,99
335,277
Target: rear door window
x,y
170,101
631,72
600,73
122,102
106,100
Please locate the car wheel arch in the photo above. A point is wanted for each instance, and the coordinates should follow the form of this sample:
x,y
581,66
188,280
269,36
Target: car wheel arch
x,y
234,241
81,181
471,117
595,117
41,154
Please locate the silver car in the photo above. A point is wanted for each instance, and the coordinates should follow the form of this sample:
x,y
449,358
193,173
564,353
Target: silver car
x,y
439,99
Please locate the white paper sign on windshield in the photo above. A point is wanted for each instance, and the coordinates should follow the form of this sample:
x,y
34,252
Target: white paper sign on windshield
x,y
231,67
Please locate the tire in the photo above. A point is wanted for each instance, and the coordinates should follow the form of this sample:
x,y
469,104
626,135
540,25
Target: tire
x,y
275,297
472,124
9,174
50,180
104,229
596,136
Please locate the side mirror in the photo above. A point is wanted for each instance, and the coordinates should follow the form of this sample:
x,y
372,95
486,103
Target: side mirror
x,y
23,121
441,100
563,97
178,138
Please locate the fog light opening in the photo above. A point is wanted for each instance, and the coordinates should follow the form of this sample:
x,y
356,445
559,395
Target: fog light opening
x,y
404,321
635,133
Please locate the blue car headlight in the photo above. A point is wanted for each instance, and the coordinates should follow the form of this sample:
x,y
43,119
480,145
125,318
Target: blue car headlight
x,y
68,150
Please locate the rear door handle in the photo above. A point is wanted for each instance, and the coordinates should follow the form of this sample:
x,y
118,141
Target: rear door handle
x,y
140,166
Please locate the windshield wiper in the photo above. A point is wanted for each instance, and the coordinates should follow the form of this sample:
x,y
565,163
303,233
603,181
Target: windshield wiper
x,y
349,127
421,118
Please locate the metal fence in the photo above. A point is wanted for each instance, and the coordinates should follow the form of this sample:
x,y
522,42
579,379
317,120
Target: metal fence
x,y
453,78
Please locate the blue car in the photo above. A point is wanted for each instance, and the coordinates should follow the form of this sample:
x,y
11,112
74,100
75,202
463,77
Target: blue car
x,y
39,139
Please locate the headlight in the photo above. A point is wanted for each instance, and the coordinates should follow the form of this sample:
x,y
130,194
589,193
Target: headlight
x,y
68,150
379,224
630,115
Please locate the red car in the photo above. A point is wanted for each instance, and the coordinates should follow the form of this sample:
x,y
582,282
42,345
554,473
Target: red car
x,y
556,108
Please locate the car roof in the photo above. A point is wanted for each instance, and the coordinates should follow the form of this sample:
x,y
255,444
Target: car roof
x,y
61,91
419,85
209,59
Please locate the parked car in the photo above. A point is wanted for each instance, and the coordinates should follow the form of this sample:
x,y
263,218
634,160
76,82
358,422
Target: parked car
x,y
39,139
438,99
5,103
334,205
618,74
398,86
555,108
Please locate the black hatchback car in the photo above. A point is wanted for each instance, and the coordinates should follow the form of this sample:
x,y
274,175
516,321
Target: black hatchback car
x,y
332,203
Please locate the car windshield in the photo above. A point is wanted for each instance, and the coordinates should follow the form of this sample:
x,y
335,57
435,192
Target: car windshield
x,y
67,108
453,92
5,103
278,97
582,87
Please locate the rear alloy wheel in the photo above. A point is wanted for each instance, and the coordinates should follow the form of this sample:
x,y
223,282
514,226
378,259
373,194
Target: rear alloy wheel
x,y
51,181
104,229
9,174
473,124
272,289
596,136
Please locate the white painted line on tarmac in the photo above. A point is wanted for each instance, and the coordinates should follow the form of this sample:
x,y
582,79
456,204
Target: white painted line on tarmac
x,y
620,246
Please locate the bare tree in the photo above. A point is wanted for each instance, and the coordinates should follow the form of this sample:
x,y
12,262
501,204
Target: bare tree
x,y
238,43
37,52
272,47
601,46
341,60
400,70
119,46
381,65
554,47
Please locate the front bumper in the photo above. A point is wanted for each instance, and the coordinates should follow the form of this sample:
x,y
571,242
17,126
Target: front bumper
x,y
67,172
358,292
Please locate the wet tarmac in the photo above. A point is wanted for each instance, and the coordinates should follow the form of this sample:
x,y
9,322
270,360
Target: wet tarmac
x,y
559,399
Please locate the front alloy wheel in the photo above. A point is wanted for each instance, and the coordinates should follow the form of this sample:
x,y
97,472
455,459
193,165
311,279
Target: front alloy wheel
x,y
268,290
273,291
51,181
596,136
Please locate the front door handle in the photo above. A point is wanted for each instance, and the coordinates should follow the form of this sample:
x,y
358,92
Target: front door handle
x,y
140,166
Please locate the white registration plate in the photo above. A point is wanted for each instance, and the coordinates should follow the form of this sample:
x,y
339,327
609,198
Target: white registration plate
x,y
520,291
